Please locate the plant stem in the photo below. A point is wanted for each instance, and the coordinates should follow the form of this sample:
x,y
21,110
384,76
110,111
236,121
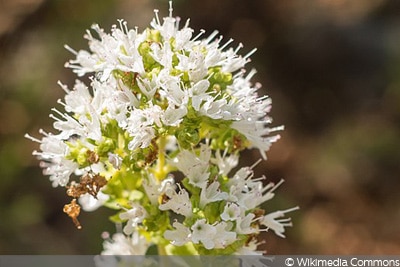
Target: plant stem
x,y
161,171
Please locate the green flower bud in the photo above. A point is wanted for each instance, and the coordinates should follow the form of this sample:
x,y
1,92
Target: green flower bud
x,y
106,146
144,50
187,137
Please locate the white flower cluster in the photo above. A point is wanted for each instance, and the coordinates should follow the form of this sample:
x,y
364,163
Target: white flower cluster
x,y
231,202
173,73
160,101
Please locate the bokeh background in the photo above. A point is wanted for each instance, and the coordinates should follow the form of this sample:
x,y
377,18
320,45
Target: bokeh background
x,y
332,68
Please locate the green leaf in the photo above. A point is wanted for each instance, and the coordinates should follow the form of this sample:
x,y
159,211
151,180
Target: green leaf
x,y
115,218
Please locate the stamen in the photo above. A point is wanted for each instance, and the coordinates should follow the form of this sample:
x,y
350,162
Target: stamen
x,y
250,75
198,35
259,179
187,23
126,27
291,209
170,9
277,185
177,21
250,53
63,86
226,44
59,101
255,164
61,114
121,21
238,48
239,74
41,131
71,50
263,229
277,128
99,30
157,18
54,117
123,25
32,138
212,36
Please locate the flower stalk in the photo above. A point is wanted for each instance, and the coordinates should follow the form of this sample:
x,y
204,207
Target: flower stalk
x,y
162,169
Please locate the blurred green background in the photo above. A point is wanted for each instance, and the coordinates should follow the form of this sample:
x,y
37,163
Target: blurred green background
x,y
332,68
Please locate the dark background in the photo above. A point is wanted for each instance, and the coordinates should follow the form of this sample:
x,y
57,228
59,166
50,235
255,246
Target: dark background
x,y
332,68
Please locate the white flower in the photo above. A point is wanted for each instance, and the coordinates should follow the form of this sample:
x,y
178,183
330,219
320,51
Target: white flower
x,y
148,86
271,221
231,212
141,126
212,236
244,224
115,160
59,170
124,245
171,89
225,163
260,193
214,108
194,64
135,216
77,100
116,51
198,93
155,189
174,116
168,29
178,202
141,137
86,119
117,103
250,249
238,186
182,40
193,166
162,55
223,237
255,132
233,61
67,127
90,203
248,192
204,233
241,177
53,154
211,194
180,236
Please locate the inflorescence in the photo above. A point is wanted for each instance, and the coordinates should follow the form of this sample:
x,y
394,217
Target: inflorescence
x,y
156,136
